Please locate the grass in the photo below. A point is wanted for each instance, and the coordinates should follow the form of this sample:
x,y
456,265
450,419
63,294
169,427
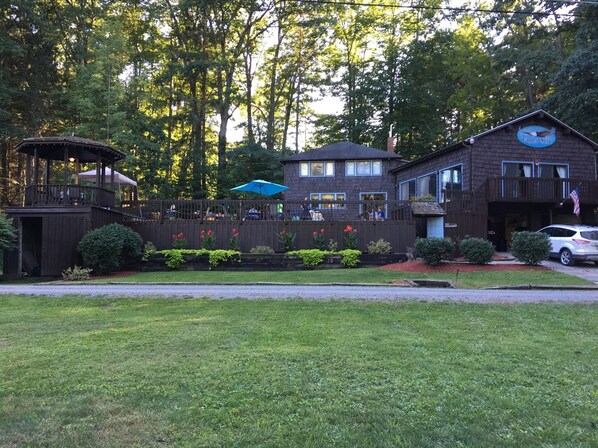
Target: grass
x,y
148,372
361,275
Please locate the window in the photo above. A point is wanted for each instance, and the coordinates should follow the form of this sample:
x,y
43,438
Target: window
x,y
317,169
512,186
549,170
426,185
451,179
335,200
363,168
517,169
373,206
407,190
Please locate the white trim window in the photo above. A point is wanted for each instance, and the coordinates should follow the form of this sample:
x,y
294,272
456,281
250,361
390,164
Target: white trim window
x,y
317,169
373,206
553,170
451,178
334,200
363,168
427,185
407,190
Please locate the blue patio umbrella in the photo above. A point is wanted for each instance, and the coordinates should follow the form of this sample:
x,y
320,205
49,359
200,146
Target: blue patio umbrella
x,y
262,187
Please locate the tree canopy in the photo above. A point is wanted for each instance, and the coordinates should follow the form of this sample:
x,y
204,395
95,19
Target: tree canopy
x,y
205,94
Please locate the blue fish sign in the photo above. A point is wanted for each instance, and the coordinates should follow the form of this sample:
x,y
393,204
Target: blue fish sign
x,y
536,136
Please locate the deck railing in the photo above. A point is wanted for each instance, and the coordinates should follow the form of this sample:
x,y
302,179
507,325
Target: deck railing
x,y
537,189
60,195
266,210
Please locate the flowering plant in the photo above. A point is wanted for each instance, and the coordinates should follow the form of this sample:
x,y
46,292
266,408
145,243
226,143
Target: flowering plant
x,y
179,241
233,243
319,240
350,237
208,239
287,239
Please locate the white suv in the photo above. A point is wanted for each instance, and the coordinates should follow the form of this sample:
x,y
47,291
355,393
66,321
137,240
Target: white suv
x,y
573,243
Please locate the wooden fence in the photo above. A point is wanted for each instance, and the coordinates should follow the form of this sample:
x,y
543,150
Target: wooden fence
x,y
254,233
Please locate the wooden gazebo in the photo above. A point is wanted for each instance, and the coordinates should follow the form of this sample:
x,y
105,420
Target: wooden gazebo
x,y
58,210
44,186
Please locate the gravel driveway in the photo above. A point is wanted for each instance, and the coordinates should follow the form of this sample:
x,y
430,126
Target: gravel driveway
x,y
308,292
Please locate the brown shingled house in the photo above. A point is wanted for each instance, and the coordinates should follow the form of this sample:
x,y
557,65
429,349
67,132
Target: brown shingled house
x,y
517,176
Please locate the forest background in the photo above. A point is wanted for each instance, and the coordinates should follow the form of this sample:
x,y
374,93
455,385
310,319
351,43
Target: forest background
x,y
169,82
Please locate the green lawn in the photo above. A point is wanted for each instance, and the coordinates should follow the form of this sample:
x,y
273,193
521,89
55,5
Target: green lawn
x,y
153,372
361,275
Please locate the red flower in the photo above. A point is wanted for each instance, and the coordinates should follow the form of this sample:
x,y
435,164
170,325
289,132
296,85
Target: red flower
x,y
315,234
321,230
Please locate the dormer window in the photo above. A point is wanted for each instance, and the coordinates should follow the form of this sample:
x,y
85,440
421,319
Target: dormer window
x,y
317,169
363,168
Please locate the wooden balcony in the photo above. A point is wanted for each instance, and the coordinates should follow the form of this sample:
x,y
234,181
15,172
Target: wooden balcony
x,y
57,195
539,190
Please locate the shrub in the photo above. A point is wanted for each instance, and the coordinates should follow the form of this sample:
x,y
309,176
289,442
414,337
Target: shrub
x,y
350,257
8,234
379,247
148,250
319,240
332,245
265,250
179,241
76,273
310,257
218,256
235,241
208,239
350,237
476,250
434,250
287,240
105,249
530,247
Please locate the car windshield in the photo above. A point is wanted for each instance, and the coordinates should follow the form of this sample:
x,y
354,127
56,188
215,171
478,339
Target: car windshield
x,y
590,234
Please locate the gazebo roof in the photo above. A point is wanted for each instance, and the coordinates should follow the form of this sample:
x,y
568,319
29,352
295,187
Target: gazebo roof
x,y
82,149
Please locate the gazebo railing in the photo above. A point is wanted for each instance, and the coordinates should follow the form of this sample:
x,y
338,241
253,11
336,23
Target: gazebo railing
x,y
63,195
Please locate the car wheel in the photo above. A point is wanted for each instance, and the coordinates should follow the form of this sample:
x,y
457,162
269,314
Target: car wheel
x,y
567,258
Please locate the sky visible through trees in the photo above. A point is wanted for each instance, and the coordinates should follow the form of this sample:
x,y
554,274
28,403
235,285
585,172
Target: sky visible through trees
x,y
203,95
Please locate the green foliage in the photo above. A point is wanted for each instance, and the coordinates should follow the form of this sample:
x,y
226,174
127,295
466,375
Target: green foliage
x,y
350,234
220,256
234,242
8,234
332,245
287,240
476,250
76,273
149,249
319,239
426,198
261,250
179,241
379,247
434,250
530,247
310,257
207,239
350,257
106,248
175,257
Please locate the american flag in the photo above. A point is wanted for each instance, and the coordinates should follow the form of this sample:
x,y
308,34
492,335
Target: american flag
x,y
575,198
